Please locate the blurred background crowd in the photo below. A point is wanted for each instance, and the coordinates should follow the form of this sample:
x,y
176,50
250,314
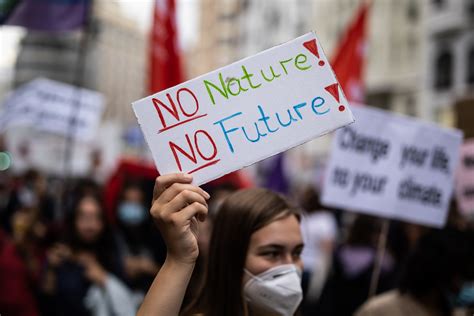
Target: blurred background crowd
x,y
76,237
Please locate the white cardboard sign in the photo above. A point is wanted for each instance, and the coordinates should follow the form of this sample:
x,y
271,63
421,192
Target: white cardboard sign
x,y
52,106
245,112
393,166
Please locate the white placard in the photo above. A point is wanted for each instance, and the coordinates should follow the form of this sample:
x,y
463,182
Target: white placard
x,y
240,114
393,166
56,107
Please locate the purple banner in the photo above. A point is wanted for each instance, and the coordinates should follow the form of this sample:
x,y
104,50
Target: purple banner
x,y
50,15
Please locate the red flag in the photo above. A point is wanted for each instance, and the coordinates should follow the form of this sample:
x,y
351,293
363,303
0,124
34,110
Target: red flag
x,y
165,62
349,59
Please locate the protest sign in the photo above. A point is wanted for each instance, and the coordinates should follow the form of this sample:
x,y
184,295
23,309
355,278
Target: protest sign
x,y
240,114
465,179
56,107
393,166
45,151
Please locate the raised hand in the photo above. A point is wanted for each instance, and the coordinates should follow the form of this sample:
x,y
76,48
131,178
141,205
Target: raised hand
x,y
176,207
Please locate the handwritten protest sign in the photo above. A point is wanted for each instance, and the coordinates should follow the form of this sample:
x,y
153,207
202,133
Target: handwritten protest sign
x,y
393,166
245,112
465,179
53,106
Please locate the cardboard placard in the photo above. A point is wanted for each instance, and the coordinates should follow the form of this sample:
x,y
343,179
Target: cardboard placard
x,y
55,107
393,166
245,112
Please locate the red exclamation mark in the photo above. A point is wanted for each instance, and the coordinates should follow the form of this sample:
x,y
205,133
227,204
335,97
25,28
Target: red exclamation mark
x,y
313,48
333,89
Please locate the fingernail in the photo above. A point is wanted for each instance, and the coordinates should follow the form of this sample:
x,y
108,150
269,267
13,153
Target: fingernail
x,y
206,195
187,176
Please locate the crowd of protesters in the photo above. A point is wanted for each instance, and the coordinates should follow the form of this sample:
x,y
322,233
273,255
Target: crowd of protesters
x,y
63,253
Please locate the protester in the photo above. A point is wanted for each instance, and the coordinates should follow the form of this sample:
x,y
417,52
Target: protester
x,y
348,285
135,240
78,188
27,235
17,286
29,191
82,275
254,263
438,278
23,246
6,193
319,230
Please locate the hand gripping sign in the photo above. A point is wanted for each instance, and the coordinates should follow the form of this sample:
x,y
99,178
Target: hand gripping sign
x,y
245,112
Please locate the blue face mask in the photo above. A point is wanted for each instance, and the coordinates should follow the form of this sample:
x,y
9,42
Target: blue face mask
x,y
131,213
466,295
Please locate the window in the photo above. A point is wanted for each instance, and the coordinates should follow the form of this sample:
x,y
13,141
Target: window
x,y
410,106
470,65
443,70
412,11
470,10
272,18
438,3
380,100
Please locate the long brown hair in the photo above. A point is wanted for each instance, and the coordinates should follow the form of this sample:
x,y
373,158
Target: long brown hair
x,y
241,214
104,247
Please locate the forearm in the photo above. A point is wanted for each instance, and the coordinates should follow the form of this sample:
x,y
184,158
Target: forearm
x,y
166,294
150,268
49,282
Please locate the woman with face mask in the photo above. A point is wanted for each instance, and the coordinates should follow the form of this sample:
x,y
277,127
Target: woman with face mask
x,y
254,265
136,241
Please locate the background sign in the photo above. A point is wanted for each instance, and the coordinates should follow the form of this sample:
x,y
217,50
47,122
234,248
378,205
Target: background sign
x,y
393,166
245,112
56,107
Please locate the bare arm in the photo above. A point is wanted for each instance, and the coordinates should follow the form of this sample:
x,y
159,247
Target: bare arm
x,y
166,294
176,207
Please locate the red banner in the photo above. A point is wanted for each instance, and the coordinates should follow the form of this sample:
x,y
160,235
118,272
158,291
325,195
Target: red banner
x,y
349,59
165,62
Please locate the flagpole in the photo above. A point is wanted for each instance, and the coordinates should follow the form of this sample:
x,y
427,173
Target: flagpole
x,y
76,102
382,242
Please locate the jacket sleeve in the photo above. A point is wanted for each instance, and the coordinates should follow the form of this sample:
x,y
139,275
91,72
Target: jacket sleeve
x,y
119,297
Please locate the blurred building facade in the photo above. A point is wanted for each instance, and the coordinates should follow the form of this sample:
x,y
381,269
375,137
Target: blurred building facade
x,y
121,55
449,61
268,23
55,56
114,64
394,52
233,29
219,36
115,60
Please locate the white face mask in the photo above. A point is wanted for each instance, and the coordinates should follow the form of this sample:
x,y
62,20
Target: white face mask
x,y
276,290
